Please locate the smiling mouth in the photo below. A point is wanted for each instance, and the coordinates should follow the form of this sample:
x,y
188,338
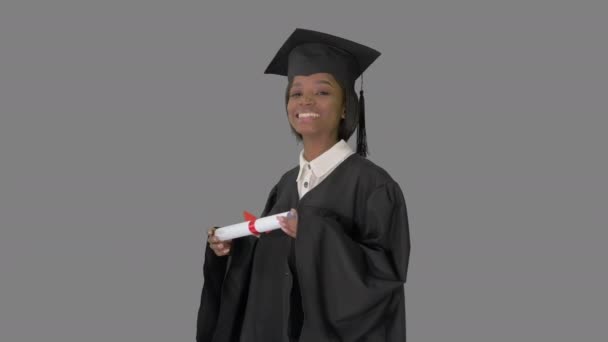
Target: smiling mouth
x,y
307,115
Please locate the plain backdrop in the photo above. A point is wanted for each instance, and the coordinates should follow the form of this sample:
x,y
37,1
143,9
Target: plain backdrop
x,y
127,128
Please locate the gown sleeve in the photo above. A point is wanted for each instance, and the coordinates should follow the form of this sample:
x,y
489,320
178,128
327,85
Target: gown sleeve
x,y
352,282
226,279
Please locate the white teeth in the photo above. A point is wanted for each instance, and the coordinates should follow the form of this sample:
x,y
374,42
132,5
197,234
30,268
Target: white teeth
x,y
308,115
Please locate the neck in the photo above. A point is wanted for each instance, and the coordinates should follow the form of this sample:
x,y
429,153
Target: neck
x,y
317,146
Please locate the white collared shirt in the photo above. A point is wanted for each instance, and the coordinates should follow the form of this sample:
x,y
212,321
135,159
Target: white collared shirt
x,y
314,172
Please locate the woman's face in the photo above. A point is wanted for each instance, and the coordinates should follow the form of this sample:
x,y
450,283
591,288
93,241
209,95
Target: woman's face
x,y
315,105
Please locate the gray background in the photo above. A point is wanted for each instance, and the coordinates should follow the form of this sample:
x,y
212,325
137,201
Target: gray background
x,y
127,128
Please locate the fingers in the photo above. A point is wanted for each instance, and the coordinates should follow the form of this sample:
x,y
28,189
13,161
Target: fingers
x,y
289,232
289,223
220,248
292,214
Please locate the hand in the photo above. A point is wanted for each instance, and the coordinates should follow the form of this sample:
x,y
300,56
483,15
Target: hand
x,y
289,223
220,248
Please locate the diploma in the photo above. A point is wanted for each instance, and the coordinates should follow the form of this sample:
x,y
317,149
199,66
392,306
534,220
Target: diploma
x,y
252,226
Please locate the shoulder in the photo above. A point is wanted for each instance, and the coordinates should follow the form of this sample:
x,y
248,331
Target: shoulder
x,y
379,186
369,172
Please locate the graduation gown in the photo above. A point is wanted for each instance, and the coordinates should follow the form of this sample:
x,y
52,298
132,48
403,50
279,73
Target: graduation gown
x,y
348,263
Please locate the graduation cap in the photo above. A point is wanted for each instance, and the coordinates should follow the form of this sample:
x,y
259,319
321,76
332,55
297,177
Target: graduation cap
x,y
307,52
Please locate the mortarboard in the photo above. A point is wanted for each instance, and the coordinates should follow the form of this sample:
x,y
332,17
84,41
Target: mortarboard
x,y
307,52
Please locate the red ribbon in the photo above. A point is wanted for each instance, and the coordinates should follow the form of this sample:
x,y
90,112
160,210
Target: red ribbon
x,y
252,228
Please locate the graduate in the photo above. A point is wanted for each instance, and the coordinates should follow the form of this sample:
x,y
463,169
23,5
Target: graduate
x,y
336,269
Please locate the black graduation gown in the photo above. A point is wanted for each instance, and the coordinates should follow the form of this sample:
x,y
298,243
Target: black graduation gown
x,y
351,255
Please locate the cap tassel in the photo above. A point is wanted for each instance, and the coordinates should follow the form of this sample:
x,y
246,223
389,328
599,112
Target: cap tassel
x,y
361,136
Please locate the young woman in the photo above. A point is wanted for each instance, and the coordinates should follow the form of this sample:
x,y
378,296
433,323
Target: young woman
x,y
336,268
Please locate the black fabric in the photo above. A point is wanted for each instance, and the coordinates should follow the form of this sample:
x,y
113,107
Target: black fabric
x,y
351,257
313,58
307,52
296,313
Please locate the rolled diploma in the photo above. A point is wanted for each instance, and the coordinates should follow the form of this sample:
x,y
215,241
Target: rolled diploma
x,y
238,230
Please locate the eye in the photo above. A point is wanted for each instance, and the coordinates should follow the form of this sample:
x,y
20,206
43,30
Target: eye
x,y
295,94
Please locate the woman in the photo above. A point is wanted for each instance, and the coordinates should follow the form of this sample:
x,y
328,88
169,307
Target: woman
x,y
336,268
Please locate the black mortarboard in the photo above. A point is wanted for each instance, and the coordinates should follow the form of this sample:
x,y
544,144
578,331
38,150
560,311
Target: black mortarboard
x,y
307,52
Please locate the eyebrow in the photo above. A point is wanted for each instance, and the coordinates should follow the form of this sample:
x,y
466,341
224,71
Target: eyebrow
x,y
298,84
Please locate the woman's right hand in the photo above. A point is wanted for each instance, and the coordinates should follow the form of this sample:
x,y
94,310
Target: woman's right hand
x,y
220,248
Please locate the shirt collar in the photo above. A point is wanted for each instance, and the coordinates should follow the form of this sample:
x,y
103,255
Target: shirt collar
x,y
327,160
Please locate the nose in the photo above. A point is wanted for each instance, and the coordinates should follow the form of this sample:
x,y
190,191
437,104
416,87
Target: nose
x,y
306,99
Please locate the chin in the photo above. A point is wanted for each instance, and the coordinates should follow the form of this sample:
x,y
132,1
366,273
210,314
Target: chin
x,y
311,135
303,130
